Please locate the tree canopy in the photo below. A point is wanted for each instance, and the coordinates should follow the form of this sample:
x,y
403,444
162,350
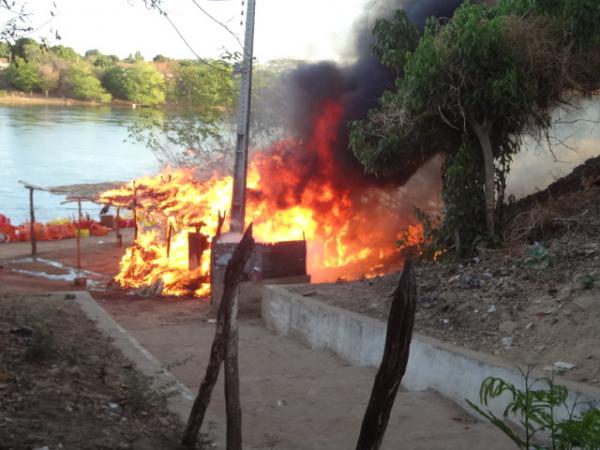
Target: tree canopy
x,y
140,83
471,88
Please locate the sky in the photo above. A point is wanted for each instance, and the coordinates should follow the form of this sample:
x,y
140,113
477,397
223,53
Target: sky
x,y
298,29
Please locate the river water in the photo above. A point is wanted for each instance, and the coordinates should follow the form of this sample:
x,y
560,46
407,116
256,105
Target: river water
x,y
57,145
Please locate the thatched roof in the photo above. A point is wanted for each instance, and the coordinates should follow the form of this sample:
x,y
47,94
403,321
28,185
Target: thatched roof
x,y
74,192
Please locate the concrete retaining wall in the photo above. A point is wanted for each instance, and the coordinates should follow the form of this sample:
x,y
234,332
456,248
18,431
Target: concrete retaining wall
x,y
454,372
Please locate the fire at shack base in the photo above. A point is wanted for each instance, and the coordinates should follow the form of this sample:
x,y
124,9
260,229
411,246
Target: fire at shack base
x,y
296,190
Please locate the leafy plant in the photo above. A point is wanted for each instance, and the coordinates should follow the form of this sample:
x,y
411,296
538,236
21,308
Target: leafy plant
x,y
470,88
535,409
538,257
588,281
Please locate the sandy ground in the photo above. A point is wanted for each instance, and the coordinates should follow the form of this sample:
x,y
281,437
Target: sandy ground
x,y
293,397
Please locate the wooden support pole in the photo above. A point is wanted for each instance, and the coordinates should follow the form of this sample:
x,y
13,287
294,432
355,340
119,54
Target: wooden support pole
x,y
393,363
32,223
169,234
232,378
135,222
79,236
117,229
226,324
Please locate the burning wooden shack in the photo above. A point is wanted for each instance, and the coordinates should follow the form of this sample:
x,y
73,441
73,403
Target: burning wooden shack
x,y
179,249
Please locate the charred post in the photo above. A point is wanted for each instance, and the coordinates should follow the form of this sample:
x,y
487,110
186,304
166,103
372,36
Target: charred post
x,y
393,364
222,346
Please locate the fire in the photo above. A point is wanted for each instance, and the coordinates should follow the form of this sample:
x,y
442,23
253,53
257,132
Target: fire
x,y
350,233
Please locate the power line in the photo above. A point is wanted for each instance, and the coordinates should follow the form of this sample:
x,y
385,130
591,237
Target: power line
x,y
162,12
218,22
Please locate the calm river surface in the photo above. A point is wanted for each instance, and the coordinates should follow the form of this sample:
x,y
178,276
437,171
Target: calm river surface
x,y
56,145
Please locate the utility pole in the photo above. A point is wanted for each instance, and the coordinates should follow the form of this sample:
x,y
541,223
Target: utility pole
x,y
238,203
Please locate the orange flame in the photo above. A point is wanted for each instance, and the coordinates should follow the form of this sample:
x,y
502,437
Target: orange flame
x,y
348,236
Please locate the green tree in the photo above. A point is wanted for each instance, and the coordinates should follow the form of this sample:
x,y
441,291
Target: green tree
x,y
200,87
195,130
136,57
140,83
65,53
4,50
80,82
23,75
49,77
98,59
480,80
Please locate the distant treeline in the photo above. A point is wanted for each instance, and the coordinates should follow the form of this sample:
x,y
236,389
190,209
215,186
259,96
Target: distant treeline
x,y
61,71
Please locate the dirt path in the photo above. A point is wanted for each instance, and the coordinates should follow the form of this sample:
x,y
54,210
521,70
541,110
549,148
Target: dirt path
x,y
294,397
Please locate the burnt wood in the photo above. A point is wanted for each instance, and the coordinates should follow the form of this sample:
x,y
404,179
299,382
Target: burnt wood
x,y
226,327
393,364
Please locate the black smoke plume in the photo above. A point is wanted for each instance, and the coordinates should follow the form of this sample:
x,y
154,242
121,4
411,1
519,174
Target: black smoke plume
x,y
357,87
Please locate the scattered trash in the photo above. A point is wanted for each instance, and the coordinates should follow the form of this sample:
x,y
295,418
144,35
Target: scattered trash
x,y
112,405
211,321
560,367
281,403
455,278
529,326
492,309
472,282
506,342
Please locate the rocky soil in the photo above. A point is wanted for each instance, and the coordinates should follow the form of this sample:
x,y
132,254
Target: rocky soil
x,y
63,385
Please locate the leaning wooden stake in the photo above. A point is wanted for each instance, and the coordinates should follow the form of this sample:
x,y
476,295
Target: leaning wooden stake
x,y
393,364
226,325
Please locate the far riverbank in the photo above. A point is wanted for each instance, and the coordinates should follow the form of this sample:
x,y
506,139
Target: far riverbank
x,y
18,98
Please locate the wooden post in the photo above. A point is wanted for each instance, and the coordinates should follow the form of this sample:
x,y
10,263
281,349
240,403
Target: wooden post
x,y
232,377
226,325
169,234
135,222
32,223
79,236
117,229
393,364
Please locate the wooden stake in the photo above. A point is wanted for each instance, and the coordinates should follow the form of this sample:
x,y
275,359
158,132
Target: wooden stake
x,y
222,348
135,222
169,234
32,223
79,237
117,229
393,363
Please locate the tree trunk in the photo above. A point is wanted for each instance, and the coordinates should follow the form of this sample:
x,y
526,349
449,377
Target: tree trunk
x,y
393,363
483,130
225,321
